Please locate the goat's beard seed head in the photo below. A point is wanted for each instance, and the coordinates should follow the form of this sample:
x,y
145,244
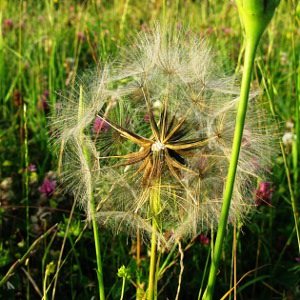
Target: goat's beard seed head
x,y
184,145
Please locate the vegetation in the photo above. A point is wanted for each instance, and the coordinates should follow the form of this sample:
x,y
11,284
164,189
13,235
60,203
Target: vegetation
x,y
47,245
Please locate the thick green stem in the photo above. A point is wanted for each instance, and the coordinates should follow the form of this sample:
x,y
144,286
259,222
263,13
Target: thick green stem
x,y
240,120
155,203
255,15
92,206
152,267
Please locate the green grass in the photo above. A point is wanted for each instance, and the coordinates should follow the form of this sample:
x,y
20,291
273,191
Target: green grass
x,y
43,45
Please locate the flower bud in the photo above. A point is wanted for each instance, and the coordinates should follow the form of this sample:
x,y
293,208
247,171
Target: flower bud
x,y
256,15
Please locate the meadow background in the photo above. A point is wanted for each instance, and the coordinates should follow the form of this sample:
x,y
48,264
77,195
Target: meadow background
x,y
43,44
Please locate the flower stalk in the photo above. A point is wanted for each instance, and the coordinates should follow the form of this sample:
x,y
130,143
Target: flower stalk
x,y
154,206
92,202
255,15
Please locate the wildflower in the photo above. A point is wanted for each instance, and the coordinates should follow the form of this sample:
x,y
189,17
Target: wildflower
x,y
210,31
100,125
8,24
32,167
288,138
264,194
43,104
80,36
290,124
48,187
203,239
49,184
146,118
181,154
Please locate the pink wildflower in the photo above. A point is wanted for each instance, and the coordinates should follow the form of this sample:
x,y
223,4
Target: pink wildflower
x,y
43,102
203,239
264,194
100,125
48,187
8,24
32,167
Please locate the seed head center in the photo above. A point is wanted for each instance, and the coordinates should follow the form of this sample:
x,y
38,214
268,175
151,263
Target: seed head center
x,y
157,146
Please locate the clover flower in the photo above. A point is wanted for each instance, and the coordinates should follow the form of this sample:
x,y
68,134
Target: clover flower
x,y
180,148
203,239
31,167
264,194
48,186
100,125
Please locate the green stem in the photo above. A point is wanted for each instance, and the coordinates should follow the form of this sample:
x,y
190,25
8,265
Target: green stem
x,y
26,175
154,202
204,273
92,207
138,264
164,265
123,288
26,187
151,285
97,249
250,51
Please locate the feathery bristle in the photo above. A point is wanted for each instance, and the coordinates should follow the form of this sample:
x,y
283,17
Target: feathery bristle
x,y
185,142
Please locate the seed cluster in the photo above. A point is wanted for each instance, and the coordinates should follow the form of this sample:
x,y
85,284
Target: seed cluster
x,y
162,114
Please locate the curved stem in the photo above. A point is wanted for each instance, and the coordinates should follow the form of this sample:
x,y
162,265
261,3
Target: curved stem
x,y
123,288
250,51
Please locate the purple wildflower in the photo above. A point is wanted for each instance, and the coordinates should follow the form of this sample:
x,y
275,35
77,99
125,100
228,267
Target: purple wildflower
x,y
147,118
100,125
210,31
8,24
264,194
46,93
32,167
48,187
43,104
203,239
227,31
